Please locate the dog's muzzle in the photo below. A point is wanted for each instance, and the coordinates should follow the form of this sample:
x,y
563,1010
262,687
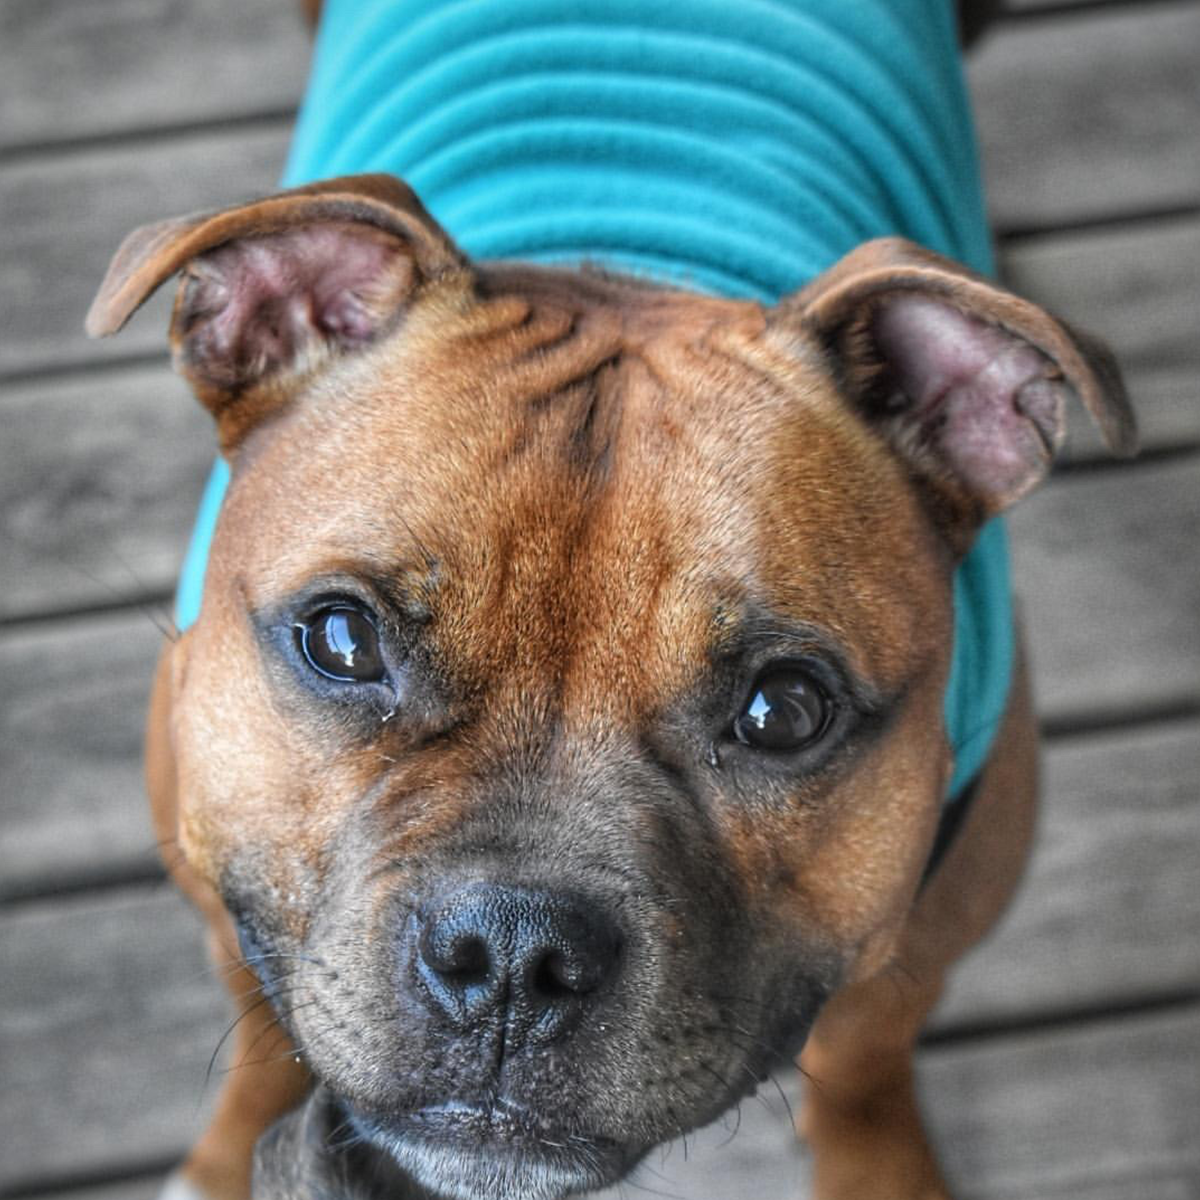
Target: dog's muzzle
x,y
502,977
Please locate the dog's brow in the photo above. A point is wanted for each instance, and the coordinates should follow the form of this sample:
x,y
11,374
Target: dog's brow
x,y
752,631
410,589
405,590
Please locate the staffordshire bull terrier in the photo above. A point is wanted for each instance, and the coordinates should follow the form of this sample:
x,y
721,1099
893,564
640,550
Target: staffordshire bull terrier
x,y
602,689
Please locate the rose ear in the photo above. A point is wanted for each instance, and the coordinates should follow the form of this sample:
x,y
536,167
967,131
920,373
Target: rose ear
x,y
274,289
967,381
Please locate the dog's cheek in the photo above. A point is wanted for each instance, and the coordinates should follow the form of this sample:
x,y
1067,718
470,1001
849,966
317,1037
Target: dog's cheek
x,y
252,805
838,872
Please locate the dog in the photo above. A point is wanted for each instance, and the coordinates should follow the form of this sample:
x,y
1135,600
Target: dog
x,y
567,730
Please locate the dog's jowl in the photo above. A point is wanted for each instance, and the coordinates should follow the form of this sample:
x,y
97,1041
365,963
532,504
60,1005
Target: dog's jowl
x,y
571,723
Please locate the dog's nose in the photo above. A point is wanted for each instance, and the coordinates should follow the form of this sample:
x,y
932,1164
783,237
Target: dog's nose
x,y
530,958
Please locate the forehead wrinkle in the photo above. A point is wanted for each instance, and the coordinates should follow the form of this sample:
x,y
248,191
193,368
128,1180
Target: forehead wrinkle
x,y
665,541
510,594
539,578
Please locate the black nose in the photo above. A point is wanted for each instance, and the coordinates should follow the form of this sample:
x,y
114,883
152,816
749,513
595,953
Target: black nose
x,y
530,959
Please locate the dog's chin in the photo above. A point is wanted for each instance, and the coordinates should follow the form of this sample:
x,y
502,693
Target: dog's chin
x,y
463,1152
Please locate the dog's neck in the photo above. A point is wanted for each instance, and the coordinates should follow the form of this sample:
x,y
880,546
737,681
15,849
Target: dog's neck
x,y
738,148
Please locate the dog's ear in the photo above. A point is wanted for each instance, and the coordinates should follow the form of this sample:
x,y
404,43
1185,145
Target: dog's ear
x,y
966,381
273,289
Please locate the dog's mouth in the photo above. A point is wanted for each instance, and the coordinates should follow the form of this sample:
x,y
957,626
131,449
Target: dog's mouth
x,y
498,1150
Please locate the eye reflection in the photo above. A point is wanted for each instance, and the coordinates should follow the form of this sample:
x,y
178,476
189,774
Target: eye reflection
x,y
342,643
787,710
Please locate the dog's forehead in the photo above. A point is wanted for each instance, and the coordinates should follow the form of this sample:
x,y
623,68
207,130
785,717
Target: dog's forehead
x,y
600,483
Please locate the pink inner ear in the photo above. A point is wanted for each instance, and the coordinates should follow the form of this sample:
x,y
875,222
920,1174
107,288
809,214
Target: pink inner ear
x,y
261,304
982,399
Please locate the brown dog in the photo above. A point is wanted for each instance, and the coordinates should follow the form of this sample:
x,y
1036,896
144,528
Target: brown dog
x,y
461,751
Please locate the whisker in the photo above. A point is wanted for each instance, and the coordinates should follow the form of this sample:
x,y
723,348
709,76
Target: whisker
x,y
629,1181
275,1026
212,1062
334,1139
737,1126
787,1104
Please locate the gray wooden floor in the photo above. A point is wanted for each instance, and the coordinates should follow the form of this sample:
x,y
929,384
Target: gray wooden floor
x,y
1065,1062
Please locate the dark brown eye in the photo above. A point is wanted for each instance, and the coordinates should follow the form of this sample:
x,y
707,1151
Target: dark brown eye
x,y
787,710
342,643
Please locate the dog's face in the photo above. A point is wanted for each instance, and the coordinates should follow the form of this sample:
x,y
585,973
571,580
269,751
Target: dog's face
x,y
563,721
558,727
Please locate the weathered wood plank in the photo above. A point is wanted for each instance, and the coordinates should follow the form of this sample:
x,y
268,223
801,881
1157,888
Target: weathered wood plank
x,y
72,710
110,66
1105,1101
108,1019
1054,9
1106,565
99,480
1031,7
1138,1186
148,1189
1089,115
1134,285
1104,913
140,1189
65,216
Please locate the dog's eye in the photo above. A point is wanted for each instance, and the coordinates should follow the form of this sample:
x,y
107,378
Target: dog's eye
x,y
342,643
787,710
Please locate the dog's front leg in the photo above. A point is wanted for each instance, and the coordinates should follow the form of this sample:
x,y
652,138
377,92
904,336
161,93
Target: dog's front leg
x,y
860,1114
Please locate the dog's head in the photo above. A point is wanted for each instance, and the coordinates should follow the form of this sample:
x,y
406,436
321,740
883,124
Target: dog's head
x,y
563,721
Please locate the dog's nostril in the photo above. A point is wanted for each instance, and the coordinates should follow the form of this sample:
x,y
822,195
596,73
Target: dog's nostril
x,y
464,960
553,977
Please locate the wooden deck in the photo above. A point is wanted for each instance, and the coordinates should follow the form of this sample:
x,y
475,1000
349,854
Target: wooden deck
x,y
1065,1062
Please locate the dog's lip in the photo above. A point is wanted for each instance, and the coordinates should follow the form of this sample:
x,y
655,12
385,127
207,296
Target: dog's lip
x,y
498,1127
503,1119
498,1120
